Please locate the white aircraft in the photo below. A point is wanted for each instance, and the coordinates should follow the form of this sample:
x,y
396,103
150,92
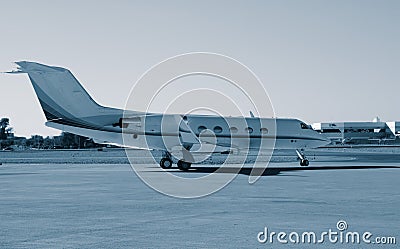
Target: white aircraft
x,y
68,107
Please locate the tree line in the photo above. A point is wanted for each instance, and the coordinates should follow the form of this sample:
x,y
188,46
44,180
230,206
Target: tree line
x,y
65,141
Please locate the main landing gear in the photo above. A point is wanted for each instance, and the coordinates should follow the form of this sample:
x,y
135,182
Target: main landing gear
x,y
184,166
166,163
303,160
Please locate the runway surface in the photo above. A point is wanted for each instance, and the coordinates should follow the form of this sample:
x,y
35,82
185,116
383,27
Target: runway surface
x,y
60,205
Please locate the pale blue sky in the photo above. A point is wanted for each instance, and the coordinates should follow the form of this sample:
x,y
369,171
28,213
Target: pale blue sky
x,y
319,60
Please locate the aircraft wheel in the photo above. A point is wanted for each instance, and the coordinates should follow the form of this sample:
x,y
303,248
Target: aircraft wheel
x,y
184,166
304,162
166,163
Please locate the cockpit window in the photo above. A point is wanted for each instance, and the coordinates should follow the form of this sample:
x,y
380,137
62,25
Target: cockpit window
x,y
305,126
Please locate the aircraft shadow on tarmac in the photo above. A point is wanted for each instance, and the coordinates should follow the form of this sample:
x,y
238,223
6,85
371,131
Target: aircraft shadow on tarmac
x,y
277,170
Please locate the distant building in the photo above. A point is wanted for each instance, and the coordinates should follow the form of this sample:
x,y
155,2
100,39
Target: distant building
x,y
394,127
375,132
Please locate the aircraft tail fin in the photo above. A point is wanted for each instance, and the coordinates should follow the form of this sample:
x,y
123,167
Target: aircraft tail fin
x,y
62,97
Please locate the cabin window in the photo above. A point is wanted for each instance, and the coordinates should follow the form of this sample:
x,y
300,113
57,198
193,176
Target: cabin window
x,y
233,129
217,129
201,128
249,130
264,131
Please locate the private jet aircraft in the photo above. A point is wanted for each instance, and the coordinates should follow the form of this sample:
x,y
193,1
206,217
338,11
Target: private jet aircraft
x,y
68,107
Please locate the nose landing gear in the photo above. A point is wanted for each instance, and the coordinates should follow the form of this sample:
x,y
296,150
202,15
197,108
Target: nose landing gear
x,y
303,160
